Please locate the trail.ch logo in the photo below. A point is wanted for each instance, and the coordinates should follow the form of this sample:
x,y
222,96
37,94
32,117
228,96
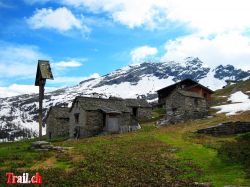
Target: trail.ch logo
x,y
23,179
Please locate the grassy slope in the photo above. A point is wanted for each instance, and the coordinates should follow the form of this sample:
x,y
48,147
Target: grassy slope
x,y
241,86
221,95
170,156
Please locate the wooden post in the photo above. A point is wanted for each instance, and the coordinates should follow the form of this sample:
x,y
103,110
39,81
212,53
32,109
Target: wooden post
x,y
43,72
41,96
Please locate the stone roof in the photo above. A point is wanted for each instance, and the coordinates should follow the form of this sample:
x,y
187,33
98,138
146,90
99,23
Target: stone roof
x,y
106,105
189,94
59,112
137,103
191,82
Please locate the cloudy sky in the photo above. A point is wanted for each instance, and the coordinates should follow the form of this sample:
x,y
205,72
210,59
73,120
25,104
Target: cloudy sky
x,y
89,38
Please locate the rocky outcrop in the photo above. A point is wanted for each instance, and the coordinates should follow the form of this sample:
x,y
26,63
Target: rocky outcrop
x,y
227,128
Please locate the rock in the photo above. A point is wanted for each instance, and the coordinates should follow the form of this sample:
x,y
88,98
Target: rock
x,y
46,146
205,184
40,145
227,128
58,148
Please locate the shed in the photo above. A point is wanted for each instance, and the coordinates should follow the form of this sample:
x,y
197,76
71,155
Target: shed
x,y
91,116
57,122
183,105
187,85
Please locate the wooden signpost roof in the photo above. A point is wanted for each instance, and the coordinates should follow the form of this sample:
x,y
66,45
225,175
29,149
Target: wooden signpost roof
x,y
43,71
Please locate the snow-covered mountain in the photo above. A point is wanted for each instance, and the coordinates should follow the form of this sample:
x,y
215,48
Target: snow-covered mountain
x,y
142,80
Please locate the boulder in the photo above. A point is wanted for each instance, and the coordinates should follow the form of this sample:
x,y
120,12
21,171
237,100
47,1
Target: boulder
x,y
46,146
41,145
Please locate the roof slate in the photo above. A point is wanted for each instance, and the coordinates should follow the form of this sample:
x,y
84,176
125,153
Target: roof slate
x,y
59,112
189,94
170,88
137,103
108,105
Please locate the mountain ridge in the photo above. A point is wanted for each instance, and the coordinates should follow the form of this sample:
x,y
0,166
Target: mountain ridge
x,y
141,80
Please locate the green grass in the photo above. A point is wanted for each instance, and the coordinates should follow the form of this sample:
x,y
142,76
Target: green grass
x,y
215,170
167,156
241,86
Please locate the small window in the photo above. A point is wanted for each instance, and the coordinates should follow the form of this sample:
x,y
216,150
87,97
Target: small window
x,y
50,135
135,110
76,118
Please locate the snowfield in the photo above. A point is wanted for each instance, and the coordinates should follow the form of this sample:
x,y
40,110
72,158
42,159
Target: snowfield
x,y
240,103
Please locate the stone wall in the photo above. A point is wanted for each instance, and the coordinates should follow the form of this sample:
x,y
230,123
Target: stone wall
x,y
91,123
94,124
227,128
181,108
144,113
80,124
57,127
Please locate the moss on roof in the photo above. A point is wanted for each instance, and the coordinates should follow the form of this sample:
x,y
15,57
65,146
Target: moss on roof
x,y
189,94
90,103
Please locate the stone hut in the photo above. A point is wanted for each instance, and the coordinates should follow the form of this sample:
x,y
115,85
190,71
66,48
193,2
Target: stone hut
x,y
183,105
186,85
57,122
92,116
139,108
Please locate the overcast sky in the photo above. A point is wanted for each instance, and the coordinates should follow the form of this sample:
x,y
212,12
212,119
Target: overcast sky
x,y
89,38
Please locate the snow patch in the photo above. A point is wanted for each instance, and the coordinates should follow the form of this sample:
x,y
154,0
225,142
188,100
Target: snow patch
x,y
212,82
240,103
238,97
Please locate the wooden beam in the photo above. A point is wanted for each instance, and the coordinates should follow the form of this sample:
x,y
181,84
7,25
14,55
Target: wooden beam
x,y
41,96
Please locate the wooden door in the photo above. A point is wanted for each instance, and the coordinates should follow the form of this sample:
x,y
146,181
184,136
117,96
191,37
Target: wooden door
x,y
113,125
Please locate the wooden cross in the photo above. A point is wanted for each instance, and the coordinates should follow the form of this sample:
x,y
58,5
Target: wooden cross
x,y
43,72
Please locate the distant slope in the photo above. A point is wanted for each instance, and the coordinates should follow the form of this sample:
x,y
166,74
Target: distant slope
x,y
240,86
133,81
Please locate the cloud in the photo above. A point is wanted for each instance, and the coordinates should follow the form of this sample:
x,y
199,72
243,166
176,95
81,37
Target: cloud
x,y
68,64
61,19
18,89
19,60
142,53
206,16
230,48
130,13
210,16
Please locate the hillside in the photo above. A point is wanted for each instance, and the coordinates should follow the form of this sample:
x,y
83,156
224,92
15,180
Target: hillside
x,y
168,156
19,114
